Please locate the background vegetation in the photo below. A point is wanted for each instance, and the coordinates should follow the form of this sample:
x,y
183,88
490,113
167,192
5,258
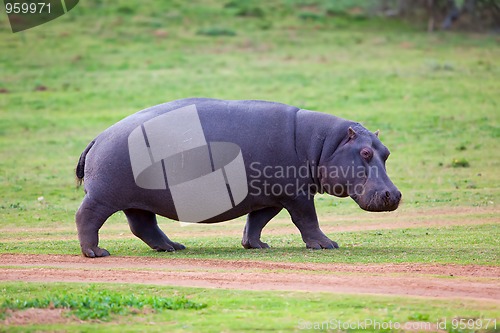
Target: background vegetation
x,y
433,96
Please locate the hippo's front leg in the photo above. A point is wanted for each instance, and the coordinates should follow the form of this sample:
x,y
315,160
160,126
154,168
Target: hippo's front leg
x,y
304,216
256,221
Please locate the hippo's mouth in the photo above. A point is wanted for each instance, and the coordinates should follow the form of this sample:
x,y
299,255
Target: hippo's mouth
x,y
378,201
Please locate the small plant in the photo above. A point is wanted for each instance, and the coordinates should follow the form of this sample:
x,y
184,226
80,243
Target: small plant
x,y
437,66
17,205
311,16
245,8
419,317
216,31
460,163
94,304
125,10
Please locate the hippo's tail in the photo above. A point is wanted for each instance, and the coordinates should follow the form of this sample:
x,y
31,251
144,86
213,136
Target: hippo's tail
x,y
80,167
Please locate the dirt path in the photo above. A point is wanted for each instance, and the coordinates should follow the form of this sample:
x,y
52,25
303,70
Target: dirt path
x,y
430,280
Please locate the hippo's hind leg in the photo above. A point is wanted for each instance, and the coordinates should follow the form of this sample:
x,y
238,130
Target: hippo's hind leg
x,y
89,219
143,224
256,221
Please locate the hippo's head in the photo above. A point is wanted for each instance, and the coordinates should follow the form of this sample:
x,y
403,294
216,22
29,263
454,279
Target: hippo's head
x,y
357,169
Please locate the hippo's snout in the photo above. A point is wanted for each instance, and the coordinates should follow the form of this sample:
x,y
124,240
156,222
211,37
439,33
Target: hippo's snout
x,y
391,200
379,201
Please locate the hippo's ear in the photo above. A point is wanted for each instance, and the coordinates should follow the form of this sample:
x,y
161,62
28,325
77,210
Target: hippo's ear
x,y
351,133
376,133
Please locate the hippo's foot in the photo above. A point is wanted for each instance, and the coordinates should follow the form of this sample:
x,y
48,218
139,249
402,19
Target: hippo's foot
x,y
322,242
254,244
94,251
143,224
168,246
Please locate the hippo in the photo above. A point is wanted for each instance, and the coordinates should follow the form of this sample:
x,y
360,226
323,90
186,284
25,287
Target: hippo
x,y
206,161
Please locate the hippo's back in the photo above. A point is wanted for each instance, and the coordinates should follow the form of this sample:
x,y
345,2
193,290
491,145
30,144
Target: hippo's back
x,y
263,131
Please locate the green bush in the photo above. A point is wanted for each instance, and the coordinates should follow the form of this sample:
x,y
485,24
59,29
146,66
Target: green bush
x,y
94,304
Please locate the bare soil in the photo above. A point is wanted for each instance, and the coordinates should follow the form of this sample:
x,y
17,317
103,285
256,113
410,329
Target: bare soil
x,y
428,280
39,316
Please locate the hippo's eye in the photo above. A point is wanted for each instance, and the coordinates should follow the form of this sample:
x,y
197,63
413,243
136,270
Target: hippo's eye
x,y
366,153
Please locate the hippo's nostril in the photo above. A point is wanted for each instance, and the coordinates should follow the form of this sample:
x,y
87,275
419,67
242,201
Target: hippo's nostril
x,y
387,194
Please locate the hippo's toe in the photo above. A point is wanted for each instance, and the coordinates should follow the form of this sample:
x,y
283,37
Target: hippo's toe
x,y
324,243
93,252
178,246
169,246
254,244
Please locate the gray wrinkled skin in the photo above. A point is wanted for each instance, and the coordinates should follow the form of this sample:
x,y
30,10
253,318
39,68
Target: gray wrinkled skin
x,y
271,135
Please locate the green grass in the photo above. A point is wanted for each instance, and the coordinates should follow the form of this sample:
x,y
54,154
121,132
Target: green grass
x,y
459,245
233,310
